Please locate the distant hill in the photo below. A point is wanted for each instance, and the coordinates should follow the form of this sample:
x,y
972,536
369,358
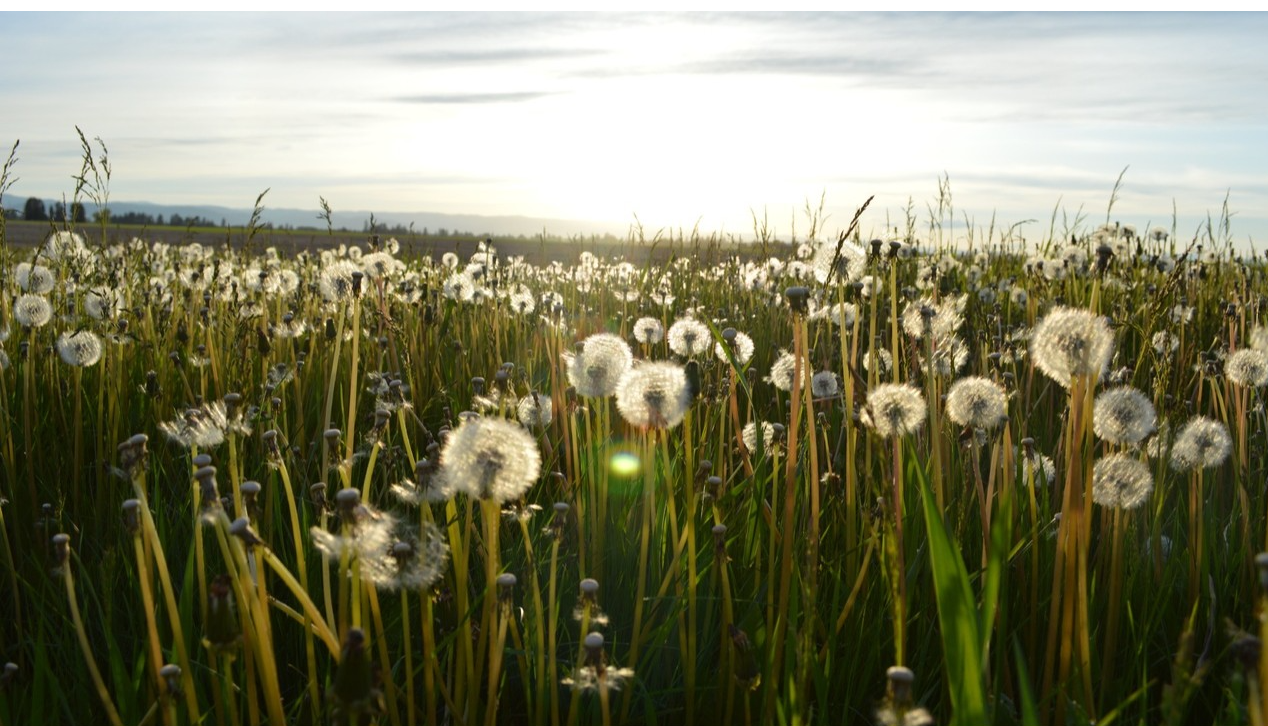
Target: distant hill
x,y
356,220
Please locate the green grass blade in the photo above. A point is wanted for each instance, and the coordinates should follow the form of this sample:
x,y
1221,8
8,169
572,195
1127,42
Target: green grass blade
x,y
957,617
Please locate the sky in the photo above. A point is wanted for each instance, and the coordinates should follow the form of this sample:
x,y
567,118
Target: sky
x,y
671,120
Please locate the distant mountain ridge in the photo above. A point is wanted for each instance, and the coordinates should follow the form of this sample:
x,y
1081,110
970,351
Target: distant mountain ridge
x,y
356,220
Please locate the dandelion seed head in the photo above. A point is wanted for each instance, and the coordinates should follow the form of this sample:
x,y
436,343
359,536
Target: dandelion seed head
x,y
653,395
1071,343
977,402
32,311
35,279
784,369
823,385
335,280
597,369
1123,416
894,410
689,337
80,349
648,331
490,458
535,410
843,265
1121,481
881,357
1165,343
741,347
1247,367
840,314
1202,443
749,435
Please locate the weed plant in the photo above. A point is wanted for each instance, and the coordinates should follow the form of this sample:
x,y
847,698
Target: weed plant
x,y
887,481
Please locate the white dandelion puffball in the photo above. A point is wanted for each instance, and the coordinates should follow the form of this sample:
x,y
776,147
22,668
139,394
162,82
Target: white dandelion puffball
x,y
824,385
689,337
648,331
1247,367
32,311
597,369
895,409
741,347
749,435
490,458
1123,416
1121,481
535,410
1202,443
1070,343
654,395
80,349
36,279
784,369
977,402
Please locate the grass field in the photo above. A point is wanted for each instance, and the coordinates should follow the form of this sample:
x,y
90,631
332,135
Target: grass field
x,y
844,481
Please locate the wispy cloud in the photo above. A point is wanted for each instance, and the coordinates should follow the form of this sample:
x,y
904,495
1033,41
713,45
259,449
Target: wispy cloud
x,y
477,98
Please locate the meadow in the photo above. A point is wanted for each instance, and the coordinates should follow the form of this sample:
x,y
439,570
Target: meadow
x,y
908,480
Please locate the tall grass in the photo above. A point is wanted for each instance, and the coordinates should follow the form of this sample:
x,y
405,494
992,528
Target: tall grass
x,y
245,512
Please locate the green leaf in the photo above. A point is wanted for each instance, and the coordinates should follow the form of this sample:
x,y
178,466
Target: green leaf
x,y
957,617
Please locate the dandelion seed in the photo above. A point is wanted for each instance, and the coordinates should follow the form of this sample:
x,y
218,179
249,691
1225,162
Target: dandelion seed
x,y
1247,367
1165,343
1202,443
335,282
490,458
842,261
205,427
823,385
1121,481
949,356
1258,338
977,402
839,314
535,410
648,331
521,300
1123,416
418,562
881,358
894,410
1070,343
597,369
1036,467
738,344
749,435
942,320
689,337
35,279
32,311
653,395
80,349
63,246
596,673
784,369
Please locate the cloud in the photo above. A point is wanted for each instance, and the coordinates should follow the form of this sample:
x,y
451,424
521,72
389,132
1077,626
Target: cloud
x,y
472,98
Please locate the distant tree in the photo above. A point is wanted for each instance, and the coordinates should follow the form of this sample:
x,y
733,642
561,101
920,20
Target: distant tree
x,y
159,220
101,215
58,213
10,213
78,213
34,210
176,220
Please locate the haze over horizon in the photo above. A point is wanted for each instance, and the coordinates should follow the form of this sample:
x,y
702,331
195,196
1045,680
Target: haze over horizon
x,y
673,119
